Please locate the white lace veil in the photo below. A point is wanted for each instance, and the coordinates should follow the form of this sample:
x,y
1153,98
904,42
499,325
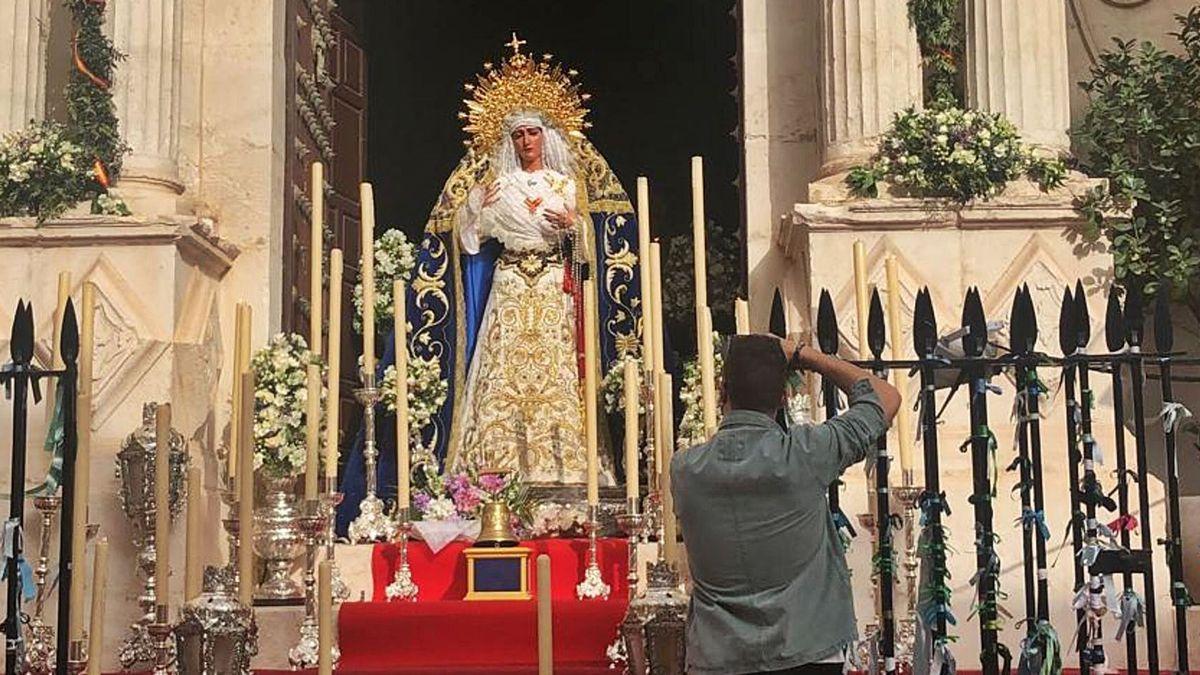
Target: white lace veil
x,y
556,153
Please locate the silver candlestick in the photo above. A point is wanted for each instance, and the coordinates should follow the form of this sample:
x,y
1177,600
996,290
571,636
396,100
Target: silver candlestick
x,y
330,500
403,587
39,648
652,508
77,657
372,523
593,585
160,631
906,627
307,652
632,523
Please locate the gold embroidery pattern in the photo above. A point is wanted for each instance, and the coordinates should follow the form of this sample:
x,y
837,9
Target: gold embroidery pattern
x,y
523,410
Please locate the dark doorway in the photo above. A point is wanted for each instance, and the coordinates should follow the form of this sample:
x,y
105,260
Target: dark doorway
x,y
663,77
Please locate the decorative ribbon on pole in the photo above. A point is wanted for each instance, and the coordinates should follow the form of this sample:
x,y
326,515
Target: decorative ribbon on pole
x,y
12,536
1172,415
55,436
1132,611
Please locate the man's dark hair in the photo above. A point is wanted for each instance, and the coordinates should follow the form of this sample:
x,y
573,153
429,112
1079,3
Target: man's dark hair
x,y
755,372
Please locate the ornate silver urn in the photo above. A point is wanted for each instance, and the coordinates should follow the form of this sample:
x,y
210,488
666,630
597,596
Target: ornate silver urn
x,y
278,540
652,640
216,634
135,475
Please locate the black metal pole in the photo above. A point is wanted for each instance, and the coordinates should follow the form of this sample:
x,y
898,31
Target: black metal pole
x,y
1032,392
883,520
66,563
1028,528
1133,327
21,346
1174,541
924,340
981,497
1114,335
827,340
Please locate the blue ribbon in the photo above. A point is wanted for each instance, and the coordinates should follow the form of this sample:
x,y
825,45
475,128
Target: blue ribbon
x,y
1031,518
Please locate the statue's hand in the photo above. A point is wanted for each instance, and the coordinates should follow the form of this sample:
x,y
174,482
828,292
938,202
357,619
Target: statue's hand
x,y
559,219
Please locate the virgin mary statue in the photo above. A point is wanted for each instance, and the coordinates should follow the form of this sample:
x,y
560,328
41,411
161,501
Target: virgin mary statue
x,y
497,294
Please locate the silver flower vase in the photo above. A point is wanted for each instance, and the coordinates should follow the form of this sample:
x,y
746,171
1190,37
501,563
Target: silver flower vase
x,y
278,540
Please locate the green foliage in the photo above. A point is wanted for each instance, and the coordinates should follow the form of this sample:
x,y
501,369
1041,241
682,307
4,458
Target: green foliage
x,y
940,37
1142,132
90,110
955,154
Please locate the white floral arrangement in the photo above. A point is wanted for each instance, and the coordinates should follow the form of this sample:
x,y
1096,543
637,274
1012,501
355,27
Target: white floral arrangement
x,y
555,519
427,390
280,405
612,388
395,258
691,425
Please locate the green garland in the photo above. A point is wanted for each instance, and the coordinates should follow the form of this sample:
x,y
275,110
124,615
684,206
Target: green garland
x,y
940,37
91,114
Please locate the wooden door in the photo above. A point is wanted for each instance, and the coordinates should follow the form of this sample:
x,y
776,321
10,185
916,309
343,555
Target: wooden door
x,y
348,70
326,121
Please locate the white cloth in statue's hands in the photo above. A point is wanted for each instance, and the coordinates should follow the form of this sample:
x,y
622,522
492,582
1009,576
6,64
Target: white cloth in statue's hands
x,y
518,216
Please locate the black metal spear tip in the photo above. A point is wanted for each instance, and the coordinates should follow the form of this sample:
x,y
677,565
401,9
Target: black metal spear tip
x,y
1134,314
69,339
924,324
1083,320
1030,317
22,334
827,337
875,327
1114,322
1016,324
14,345
1066,324
974,321
1164,333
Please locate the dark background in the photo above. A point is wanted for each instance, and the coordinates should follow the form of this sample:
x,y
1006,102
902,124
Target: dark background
x,y
662,73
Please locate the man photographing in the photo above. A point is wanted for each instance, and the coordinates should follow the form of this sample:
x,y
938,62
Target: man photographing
x,y
771,590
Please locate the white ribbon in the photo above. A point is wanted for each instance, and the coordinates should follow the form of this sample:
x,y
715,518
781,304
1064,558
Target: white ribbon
x,y
1172,415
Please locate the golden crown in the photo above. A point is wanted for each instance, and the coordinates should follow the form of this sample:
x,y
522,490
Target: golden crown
x,y
522,83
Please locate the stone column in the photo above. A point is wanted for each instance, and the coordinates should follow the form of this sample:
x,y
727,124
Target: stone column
x,y
146,91
24,25
870,69
1016,64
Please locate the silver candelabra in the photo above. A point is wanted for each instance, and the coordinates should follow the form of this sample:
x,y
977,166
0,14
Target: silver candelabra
x,y
306,653
403,587
39,648
593,585
372,523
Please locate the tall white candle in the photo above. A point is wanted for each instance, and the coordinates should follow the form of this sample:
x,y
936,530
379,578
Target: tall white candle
x,y
590,365
403,471
904,417
670,525
545,618
312,431
235,409
643,214
324,618
632,387
860,298
334,387
656,304
192,546
96,623
699,250
316,246
367,263
56,362
708,378
741,314
246,495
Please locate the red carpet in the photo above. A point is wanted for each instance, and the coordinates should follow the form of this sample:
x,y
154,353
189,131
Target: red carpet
x,y
441,633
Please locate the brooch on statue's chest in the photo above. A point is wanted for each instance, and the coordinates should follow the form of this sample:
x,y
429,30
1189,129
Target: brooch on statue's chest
x,y
531,266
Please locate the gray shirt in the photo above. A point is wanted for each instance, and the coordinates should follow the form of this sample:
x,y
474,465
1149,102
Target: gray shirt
x,y
771,589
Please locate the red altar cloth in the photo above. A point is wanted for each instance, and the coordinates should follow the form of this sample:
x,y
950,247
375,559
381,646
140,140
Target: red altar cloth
x,y
442,633
443,576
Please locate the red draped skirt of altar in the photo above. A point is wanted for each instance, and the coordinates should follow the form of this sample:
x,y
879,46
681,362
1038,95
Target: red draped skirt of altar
x,y
442,633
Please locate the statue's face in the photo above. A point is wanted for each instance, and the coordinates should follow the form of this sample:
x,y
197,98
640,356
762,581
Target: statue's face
x,y
527,141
